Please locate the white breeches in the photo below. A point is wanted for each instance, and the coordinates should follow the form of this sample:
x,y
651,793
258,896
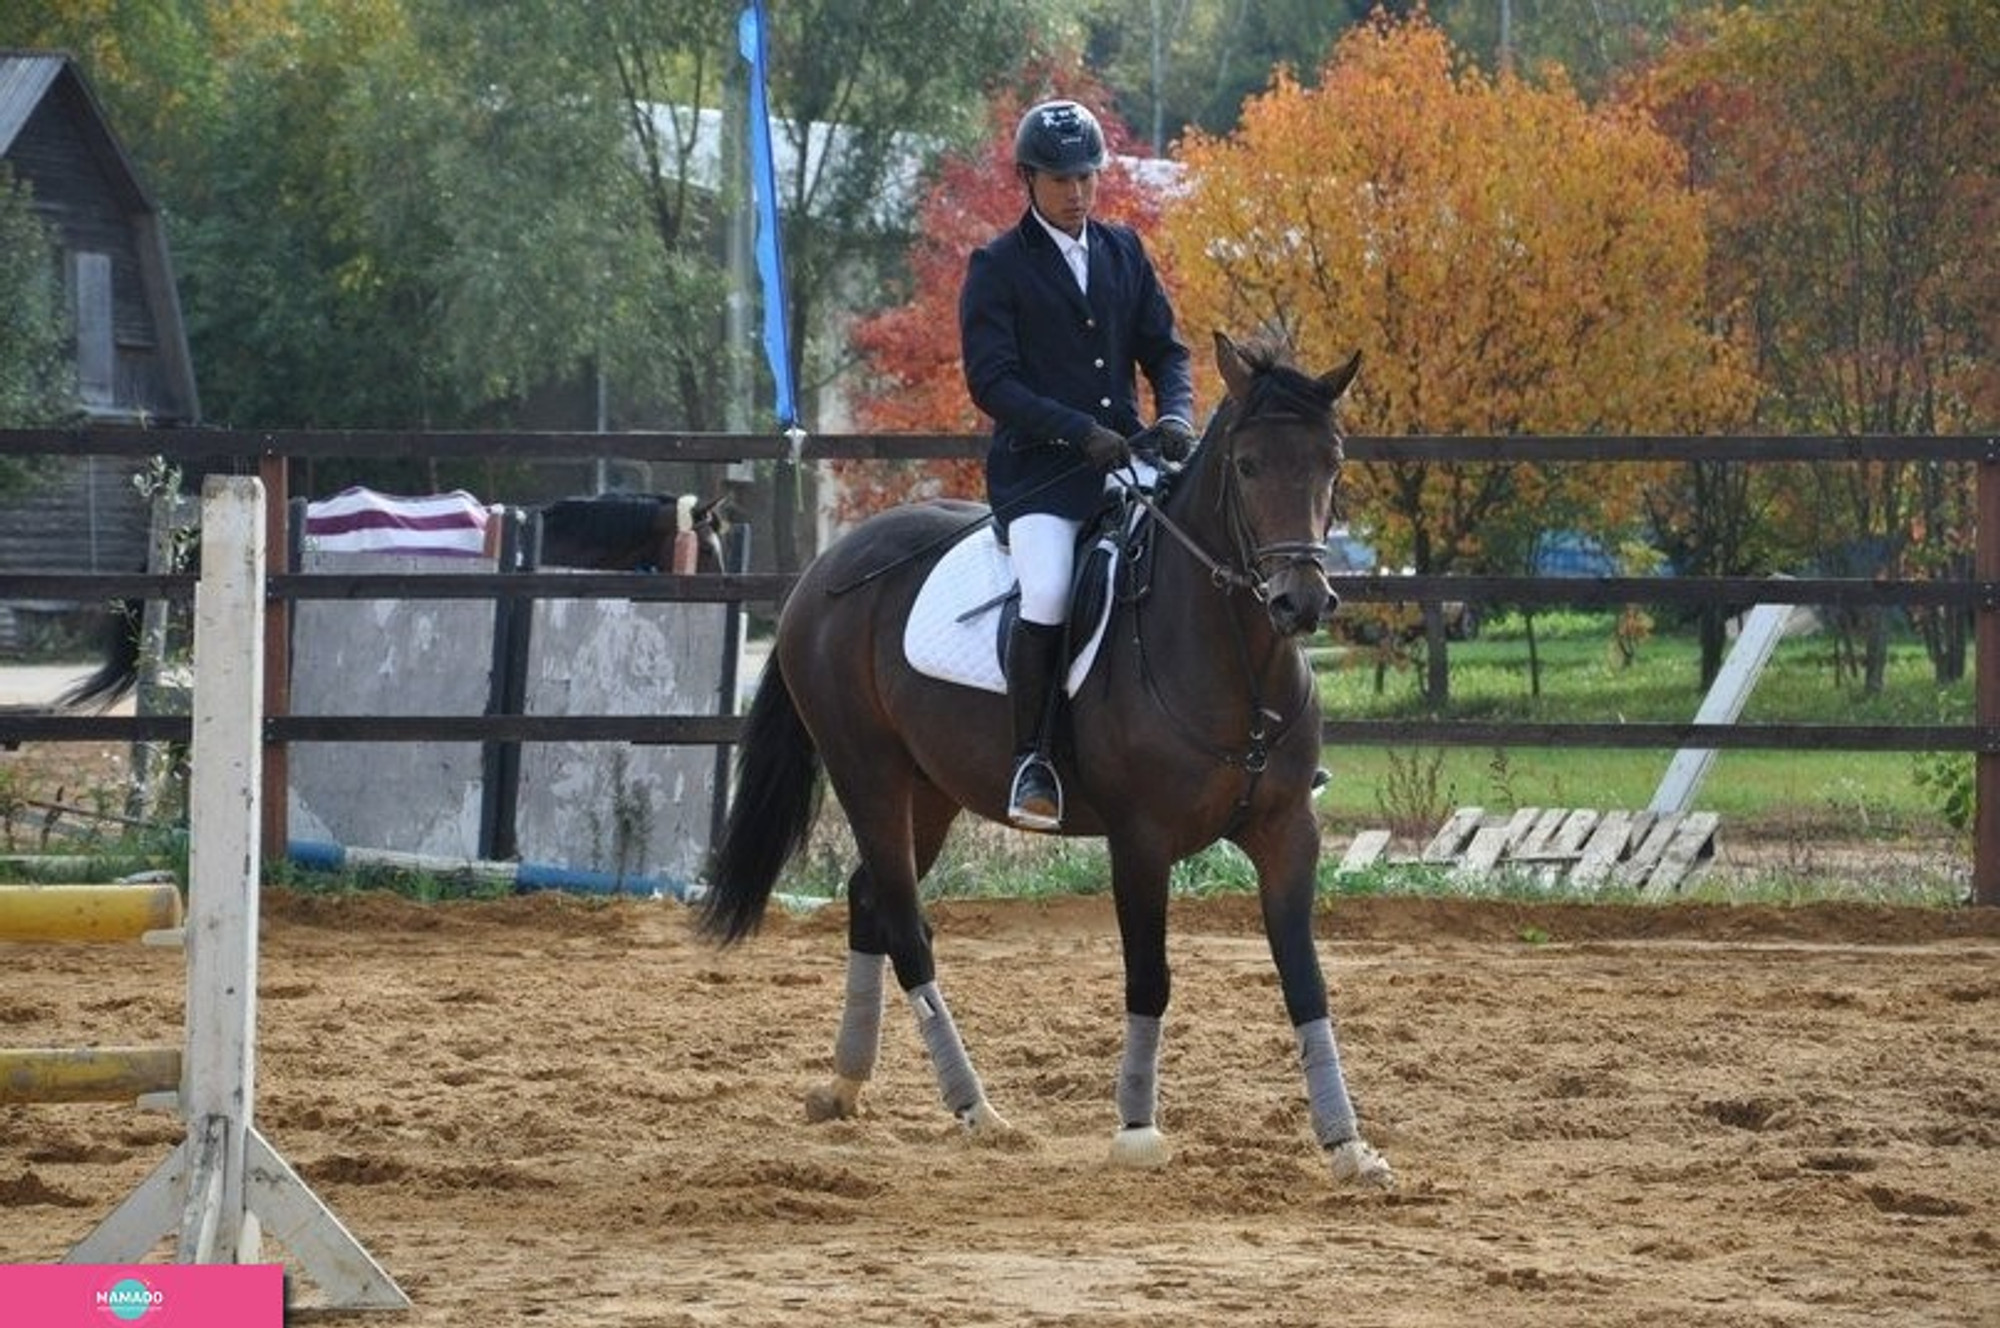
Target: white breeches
x,y
1043,548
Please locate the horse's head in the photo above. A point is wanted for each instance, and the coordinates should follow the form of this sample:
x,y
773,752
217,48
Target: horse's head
x,y
691,533
1271,466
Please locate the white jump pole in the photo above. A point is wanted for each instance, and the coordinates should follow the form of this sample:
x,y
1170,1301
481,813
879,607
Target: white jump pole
x,y
225,1185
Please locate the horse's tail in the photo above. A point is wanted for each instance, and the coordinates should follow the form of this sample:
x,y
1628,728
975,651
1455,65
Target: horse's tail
x,y
776,799
119,672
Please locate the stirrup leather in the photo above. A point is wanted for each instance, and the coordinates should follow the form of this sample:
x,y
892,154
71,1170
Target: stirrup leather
x,y
1034,799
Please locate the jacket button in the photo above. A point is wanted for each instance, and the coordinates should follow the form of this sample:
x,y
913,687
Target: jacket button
x,y
1104,402
1098,362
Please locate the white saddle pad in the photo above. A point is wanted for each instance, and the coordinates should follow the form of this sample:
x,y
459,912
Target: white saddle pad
x,y
953,629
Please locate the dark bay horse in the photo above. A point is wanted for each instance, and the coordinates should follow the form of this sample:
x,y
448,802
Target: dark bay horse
x,y
641,532
1199,722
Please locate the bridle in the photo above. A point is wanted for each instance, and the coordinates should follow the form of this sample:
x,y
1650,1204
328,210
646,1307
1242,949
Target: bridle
x,y
1244,570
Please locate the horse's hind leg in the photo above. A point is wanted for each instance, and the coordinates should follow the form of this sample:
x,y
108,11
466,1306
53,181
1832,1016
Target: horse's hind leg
x,y
859,1040
885,920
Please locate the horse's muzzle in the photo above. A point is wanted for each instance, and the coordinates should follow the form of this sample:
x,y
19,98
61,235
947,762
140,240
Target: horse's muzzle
x,y
1301,599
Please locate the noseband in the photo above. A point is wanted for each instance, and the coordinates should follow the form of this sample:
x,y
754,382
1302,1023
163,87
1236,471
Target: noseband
x,y
1247,568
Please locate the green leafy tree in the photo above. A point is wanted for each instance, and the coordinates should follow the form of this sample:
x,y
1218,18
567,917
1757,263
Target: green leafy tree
x,y
1181,63
878,94
37,384
1593,41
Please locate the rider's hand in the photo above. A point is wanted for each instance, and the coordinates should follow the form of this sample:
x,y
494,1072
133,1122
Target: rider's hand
x,y
1105,448
1169,438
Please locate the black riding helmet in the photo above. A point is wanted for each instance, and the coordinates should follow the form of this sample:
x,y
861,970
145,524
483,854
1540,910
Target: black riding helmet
x,y
1059,137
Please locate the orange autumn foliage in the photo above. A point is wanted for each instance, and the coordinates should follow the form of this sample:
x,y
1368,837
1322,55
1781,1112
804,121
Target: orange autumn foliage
x,y
1509,259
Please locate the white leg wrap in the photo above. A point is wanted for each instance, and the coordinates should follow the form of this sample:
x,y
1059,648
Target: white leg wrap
x,y
1326,1089
860,1037
956,1078
1139,1071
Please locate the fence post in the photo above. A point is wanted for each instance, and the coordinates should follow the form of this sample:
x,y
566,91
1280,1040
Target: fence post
x,y
1986,671
274,470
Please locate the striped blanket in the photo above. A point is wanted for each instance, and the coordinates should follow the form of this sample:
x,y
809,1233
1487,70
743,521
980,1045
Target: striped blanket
x,y
359,520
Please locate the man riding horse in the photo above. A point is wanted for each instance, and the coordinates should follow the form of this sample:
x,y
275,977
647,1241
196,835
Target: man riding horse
x,y
1055,316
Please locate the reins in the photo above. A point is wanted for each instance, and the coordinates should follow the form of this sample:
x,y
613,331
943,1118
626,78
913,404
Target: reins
x,y
1245,574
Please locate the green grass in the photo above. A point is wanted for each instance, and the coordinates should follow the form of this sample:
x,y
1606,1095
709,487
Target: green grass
x,y
1798,798
1871,793
1858,794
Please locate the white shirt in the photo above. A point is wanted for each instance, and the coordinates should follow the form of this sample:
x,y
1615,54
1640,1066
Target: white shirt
x,y
1074,249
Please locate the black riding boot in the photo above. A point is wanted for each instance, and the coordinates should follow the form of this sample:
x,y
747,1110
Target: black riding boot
x,y
1034,654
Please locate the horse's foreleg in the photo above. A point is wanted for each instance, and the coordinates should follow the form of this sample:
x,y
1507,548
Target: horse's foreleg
x,y
1354,1159
1139,1142
1287,905
1141,892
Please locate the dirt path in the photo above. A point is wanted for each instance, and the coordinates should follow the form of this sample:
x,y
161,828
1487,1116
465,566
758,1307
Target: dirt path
x,y
546,1111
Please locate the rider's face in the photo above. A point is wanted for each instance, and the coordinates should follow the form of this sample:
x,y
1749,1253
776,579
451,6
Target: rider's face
x,y
1064,200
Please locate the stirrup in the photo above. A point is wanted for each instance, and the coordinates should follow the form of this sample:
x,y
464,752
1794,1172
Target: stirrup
x,y
1034,799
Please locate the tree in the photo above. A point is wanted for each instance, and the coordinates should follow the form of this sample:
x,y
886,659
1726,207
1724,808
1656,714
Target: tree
x,y
1593,41
1509,260
1849,153
1180,63
36,379
912,379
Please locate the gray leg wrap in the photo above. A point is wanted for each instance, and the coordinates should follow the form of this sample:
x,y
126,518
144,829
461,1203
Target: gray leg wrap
x,y
956,1078
1326,1091
860,1037
1139,1071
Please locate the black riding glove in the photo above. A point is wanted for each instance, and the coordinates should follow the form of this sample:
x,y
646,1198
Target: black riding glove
x,y
1105,448
1168,439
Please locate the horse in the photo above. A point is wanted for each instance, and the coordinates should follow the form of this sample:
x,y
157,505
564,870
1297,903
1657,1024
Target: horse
x,y
648,532
1199,722
642,532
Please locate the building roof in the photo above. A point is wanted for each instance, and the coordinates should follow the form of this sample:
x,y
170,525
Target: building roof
x,y
30,78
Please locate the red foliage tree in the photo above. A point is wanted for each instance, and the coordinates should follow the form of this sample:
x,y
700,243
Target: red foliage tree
x,y
913,381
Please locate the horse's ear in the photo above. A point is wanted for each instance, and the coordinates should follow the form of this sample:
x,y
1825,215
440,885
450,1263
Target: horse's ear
x,y
1337,381
1236,371
716,509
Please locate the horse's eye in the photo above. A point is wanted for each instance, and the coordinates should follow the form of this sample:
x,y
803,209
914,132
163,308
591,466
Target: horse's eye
x,y
1246,468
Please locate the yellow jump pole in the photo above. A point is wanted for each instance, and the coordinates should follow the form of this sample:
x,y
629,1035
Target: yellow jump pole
x,y
87,1074
87,912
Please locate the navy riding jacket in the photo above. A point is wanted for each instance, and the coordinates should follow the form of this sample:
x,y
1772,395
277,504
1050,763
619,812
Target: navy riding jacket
x,y
1046,363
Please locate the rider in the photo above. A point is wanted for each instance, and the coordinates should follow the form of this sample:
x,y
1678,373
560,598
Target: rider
x,y
1054,317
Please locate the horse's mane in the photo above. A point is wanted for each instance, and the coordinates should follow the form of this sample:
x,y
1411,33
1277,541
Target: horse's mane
x,y
1278,386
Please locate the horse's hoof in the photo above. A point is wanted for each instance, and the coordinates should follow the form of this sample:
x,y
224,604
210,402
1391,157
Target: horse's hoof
x,y
839,1100
1356,1163
1140,1147
981,1118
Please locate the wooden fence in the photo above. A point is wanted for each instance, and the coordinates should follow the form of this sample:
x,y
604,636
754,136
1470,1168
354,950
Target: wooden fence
x,y
270,454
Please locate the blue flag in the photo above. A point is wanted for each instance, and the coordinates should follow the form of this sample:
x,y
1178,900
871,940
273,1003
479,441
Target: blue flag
x,y
764,196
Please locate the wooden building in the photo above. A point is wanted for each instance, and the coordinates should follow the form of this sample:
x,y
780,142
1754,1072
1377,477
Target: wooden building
x,y
132,364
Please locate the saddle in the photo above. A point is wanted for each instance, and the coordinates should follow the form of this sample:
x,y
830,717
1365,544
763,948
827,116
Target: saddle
x,y
959,623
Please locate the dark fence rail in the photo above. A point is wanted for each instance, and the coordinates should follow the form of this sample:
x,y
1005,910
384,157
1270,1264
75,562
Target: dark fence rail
x,y
271,452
